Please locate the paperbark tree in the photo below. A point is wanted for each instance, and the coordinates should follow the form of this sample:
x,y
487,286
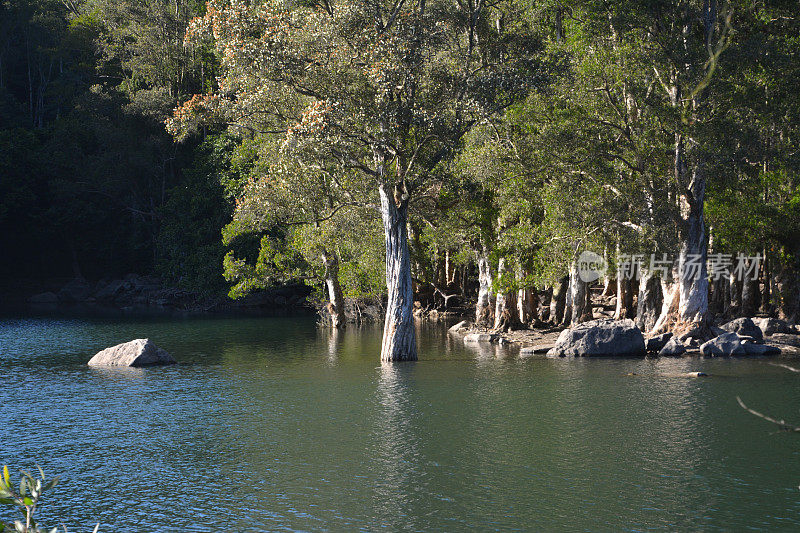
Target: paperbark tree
x,y
382,90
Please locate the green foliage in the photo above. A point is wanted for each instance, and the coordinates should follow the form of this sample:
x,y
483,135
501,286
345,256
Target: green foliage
x,y
201,201
26,499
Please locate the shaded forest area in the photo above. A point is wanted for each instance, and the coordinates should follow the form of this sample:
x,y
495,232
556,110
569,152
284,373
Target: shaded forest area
x,y
91,184
481,145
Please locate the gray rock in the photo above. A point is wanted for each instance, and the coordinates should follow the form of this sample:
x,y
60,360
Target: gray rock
x,y
138,352
655,344
481,337
43,298
731,344
724,345
762,349
785,338
536,349
744,326
673,348
619,338
770,326
464,324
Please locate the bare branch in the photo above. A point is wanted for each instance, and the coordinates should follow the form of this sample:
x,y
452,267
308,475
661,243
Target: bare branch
x,y
783,425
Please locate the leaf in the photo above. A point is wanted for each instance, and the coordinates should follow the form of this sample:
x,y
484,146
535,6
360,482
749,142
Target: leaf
x,y
96,528
27,501
6,476
52,483
19,526
41,472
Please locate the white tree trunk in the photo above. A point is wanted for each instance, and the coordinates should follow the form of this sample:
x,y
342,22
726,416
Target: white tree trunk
x,y
399,334
484,309
669,306
578,297
336,300
505,313
692,274
649,302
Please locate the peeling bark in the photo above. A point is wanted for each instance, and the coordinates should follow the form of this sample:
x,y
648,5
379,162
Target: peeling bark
x,y
625,292
505,313
484,309
692,274
335,297
669,306
578,298
650,301
399,334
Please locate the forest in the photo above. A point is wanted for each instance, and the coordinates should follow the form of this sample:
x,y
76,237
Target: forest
x,y
426,153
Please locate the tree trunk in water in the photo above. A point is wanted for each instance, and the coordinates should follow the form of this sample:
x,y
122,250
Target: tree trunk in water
x,y
484,309
650,301
558,301
335,297
399,334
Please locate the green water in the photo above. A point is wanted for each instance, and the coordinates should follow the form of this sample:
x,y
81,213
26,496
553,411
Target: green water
x,y
269,424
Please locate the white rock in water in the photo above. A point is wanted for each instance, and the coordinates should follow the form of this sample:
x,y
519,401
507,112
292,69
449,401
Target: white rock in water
x,y
138,352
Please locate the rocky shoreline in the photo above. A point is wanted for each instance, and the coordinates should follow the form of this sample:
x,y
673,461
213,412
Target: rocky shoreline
x,y
742,337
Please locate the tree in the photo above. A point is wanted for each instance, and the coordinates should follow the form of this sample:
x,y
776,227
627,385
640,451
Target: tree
x,y
386,89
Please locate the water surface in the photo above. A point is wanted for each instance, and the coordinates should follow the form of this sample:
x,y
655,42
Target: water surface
x,y
269,424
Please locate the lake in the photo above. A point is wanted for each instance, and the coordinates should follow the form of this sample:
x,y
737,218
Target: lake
x,y
271,424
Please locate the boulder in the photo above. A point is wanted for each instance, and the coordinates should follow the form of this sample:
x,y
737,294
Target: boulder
x,y
731,344
138,352
726,344
762,349
481,337
44,298
770,326
673,348
744,327
619,338
655,344
785,338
